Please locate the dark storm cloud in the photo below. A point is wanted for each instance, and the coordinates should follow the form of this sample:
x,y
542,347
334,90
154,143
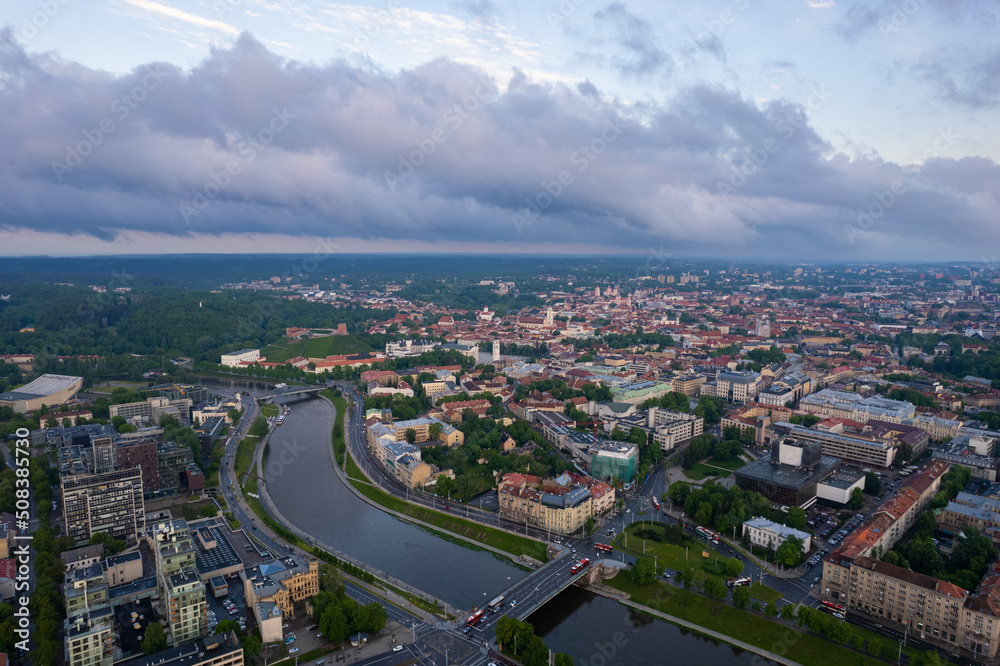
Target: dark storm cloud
x,y
250,143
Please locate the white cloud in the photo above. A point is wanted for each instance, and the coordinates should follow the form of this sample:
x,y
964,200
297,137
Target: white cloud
x,y
180,15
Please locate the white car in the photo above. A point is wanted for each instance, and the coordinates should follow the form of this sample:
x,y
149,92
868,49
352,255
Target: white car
x,y
398,648
293,650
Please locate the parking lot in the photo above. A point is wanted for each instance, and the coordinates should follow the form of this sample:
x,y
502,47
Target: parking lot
x,y
305,635
218,612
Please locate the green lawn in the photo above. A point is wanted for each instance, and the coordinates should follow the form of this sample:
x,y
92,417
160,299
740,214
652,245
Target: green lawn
x,y
699,471
244,455
733,464
333,345
763,593
771,635
339,445
268,410
670,556
282,350
353,471
509,543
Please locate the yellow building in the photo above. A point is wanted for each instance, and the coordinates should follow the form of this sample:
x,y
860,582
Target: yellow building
x,y
282,582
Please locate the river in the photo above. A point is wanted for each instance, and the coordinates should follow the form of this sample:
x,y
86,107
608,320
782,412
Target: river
x,y
596,631
305,487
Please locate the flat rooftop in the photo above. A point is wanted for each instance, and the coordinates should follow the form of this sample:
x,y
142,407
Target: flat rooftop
x,y
195,652
786,476
208,560
842,479
45,385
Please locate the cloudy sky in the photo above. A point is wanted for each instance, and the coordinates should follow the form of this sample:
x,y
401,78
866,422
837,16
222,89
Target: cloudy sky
x,y
783,129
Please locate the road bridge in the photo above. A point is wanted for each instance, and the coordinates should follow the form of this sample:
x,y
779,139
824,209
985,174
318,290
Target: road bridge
x,y
293,390
529,594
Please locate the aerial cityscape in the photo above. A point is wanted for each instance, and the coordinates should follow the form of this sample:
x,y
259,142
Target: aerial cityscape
x,y
464,333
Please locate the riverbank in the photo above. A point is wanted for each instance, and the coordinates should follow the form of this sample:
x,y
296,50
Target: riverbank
x,y
459,530
256,497
780,641
475,534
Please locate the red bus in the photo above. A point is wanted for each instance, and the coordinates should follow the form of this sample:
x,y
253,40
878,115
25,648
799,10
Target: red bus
x,y
832,607
604,547
579,566
475,618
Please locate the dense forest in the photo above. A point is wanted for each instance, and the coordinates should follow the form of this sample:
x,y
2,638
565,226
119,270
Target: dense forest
x,y
168,321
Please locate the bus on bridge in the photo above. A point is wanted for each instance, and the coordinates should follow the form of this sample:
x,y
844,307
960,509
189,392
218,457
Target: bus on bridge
x,y
496,604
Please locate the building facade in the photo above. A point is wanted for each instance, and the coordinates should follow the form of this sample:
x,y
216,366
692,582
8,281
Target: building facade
x,y
769,534
90,639
110,502
180,587
233,359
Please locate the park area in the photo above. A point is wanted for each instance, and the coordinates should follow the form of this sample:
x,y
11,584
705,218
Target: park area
x,y
712,467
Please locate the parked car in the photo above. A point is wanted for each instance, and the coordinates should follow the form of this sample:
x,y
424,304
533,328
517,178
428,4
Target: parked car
x,y
293,650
